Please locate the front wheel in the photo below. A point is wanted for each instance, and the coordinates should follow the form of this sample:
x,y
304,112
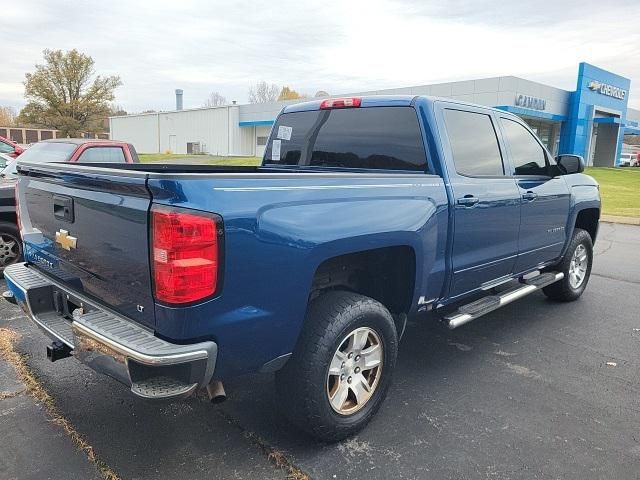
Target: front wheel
x,y
341,368
576,266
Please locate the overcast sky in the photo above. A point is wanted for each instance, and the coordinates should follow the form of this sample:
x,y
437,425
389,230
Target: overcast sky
x,y
338,46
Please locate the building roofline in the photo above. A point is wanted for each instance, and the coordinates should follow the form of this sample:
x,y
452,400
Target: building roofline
x,y
359,93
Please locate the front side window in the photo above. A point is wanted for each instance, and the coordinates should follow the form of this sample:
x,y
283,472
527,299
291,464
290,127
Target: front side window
x,y
368,138
474,143
527,155
102,155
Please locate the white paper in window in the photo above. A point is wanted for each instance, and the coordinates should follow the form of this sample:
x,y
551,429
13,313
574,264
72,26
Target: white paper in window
x,y
284,132
275,150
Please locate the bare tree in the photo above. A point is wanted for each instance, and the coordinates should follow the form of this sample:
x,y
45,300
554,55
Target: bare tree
x,y
215,100
117,110
7,116
262,92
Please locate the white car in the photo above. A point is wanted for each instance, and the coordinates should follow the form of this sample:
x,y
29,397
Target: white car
x,y
627,159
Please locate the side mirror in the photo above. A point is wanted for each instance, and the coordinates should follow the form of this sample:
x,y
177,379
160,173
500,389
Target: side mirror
x,y
569,164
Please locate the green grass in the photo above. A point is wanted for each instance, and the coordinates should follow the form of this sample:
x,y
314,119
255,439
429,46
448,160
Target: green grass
x,y
154,157
198,159
620,190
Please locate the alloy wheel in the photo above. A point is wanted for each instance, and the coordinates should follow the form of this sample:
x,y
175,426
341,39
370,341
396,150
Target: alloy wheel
x,y
354,372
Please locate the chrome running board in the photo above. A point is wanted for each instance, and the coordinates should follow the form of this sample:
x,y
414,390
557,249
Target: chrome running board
x,y
480,307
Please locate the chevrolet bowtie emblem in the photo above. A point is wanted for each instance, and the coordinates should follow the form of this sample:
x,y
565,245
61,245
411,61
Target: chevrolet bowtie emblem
x,y
65,240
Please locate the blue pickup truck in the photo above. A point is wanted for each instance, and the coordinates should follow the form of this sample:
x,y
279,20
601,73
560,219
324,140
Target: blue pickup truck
x,y
366,212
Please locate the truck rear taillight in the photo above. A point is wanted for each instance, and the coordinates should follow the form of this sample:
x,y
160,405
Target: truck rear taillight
x,y
185,250
350,102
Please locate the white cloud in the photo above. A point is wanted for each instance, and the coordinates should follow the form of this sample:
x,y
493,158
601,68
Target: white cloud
x,y
157,46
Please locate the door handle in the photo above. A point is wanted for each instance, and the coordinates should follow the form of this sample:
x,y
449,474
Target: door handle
x,y
529,196
468,201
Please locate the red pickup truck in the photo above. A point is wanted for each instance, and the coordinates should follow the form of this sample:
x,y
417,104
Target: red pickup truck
x,y
79,150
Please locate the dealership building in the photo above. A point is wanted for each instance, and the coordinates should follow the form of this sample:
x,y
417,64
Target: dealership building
x,y
590,121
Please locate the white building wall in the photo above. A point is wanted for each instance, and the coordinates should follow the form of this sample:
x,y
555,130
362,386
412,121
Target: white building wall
x,y
247,141
496,91
633,114
139,130
208,126
261,131
255,112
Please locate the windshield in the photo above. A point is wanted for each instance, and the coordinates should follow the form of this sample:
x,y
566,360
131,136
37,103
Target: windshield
x,y
41,153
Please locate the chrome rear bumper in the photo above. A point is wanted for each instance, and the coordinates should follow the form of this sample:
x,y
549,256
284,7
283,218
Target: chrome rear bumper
x,y
110,343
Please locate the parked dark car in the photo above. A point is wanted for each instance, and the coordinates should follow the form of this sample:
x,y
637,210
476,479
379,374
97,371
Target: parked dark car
x,y
58,150
10,147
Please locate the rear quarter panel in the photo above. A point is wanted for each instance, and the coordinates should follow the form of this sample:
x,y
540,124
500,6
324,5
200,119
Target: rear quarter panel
x,y
278,229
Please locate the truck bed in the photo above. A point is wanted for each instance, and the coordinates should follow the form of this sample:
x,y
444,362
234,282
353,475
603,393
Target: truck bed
x,y
279,225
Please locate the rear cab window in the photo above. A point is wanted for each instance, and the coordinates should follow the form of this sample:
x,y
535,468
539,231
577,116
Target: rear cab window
x,y
99,154
384,138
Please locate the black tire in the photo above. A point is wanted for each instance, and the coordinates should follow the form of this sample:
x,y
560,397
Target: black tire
x,y
8,256
302,385
563,290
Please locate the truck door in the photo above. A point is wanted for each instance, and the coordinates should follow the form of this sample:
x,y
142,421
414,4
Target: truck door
x,y
486,201
545,199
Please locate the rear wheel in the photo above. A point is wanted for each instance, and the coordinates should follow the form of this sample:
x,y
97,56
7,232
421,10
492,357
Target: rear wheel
x,y
340,371
10,245
576,266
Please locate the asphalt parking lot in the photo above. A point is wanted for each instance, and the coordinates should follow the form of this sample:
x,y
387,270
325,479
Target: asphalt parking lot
x,y
529,391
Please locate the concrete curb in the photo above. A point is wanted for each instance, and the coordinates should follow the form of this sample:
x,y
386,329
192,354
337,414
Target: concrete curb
x,y
617,219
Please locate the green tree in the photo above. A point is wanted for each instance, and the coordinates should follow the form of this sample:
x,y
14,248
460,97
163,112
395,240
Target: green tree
x,y
64,93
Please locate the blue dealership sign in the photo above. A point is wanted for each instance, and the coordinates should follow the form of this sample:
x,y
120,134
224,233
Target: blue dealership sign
x,y
597,90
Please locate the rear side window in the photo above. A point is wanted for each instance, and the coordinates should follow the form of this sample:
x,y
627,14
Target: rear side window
x,y
377,137
133,153
102,155
474,143
527,155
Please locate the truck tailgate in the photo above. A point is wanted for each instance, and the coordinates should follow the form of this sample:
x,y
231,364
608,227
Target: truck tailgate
x,y
88,230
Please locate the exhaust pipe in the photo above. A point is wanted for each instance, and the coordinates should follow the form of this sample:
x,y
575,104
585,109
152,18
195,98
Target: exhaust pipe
x,y
216,392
